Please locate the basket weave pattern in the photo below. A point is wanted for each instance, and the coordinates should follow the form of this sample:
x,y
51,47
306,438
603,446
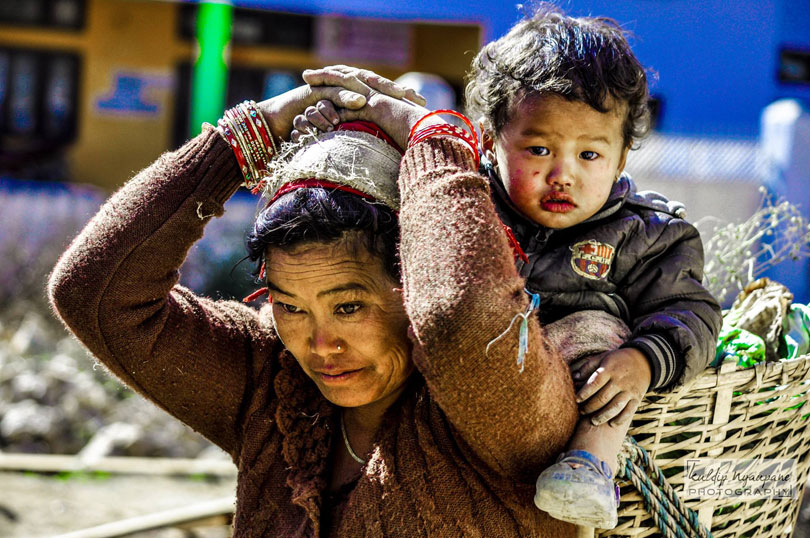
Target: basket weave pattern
x,y
725,414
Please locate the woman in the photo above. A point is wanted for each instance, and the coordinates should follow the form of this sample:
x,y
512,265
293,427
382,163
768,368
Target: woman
x,y
347,412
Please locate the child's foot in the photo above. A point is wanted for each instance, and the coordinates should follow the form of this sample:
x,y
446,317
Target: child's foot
x,y
579,489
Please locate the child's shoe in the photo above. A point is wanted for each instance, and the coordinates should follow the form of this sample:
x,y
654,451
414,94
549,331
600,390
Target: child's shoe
x,y
583,493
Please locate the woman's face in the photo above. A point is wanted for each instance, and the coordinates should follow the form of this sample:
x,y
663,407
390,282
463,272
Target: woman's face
x,y
341,315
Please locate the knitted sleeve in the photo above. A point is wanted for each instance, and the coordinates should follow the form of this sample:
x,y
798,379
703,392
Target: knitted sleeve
x,y
116,290
461,292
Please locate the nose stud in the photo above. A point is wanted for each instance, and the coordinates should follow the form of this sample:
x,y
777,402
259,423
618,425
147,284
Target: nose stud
x,y
339,348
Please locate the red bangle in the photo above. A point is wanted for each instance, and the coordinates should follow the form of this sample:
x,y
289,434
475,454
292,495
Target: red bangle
x,y
469,137
237,151
257,120
256,152
249,136
449,130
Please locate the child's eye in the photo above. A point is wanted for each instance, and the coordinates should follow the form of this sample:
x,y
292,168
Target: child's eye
x,y
589,155
288,308
540,151
348,308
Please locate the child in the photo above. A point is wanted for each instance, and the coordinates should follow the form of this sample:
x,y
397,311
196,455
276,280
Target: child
x,y
561,100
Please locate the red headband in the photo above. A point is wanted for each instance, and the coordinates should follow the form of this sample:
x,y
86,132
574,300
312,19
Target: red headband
x,y
370,128
312,182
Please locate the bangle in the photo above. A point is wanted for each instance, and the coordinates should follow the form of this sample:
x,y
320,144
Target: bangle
x,y
247,132
253,148
226,132
469,137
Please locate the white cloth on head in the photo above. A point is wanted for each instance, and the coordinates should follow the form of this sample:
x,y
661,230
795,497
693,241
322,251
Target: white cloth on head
x,y
352,158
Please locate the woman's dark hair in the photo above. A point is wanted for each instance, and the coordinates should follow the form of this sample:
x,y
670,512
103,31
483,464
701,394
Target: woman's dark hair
x,y
322,215
585,59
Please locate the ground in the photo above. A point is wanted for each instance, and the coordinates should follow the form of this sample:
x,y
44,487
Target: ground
x,y
45,506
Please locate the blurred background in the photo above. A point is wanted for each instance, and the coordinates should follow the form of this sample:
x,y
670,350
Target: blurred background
x,y
91,91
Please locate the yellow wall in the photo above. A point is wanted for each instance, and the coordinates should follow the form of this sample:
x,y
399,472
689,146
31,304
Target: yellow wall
x,y
119,36
125,36
141,37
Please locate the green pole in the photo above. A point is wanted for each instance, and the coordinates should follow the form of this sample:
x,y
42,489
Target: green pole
x,y
209,80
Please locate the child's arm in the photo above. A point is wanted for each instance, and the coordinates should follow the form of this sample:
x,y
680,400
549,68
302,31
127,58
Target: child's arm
x,y
611,385
674,319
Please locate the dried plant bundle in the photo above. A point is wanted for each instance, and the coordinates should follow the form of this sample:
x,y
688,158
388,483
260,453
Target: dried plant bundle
x,y
737,253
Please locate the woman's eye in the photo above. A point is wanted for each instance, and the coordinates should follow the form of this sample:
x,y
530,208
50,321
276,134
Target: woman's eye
x,y
288,308
348,308
540,151
589,155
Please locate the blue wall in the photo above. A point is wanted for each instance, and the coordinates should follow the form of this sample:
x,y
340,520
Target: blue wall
x,y
716,59
793,29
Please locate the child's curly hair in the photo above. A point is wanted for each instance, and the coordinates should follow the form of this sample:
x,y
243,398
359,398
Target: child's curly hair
x,y
586,59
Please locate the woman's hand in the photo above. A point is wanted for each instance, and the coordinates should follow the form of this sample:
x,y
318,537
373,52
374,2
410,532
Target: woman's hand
x,y
616,383
394,116
361,81
280,111
393,107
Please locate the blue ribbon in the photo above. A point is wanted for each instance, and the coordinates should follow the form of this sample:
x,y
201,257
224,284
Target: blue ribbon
x,y
523,338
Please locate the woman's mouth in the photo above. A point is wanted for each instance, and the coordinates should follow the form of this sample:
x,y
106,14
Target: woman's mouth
x,y
557,202
340,377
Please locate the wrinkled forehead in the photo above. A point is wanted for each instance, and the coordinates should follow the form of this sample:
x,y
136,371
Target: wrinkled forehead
x,y
310,268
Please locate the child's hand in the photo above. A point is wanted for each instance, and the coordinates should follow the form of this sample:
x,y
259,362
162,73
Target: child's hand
x,y
616,383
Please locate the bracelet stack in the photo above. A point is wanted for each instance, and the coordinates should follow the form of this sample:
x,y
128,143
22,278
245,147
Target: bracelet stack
x,y
249,136
469,137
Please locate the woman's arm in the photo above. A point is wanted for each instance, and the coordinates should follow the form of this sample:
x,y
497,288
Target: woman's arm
x,y
116,286
462,291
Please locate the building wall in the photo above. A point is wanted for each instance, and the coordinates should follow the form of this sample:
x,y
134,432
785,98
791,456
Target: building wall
x,y
119,40
125,41
716,62
716,59
130,54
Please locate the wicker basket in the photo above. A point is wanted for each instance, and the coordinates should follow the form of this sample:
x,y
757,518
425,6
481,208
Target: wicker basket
x,y
724,414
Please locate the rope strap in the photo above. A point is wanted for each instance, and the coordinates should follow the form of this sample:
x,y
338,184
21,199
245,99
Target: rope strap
x,y
671,516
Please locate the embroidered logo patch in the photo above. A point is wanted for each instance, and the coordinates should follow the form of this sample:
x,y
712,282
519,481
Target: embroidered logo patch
x,y
592,259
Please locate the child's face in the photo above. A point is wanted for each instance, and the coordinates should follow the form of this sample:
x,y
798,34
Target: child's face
x,y
558,159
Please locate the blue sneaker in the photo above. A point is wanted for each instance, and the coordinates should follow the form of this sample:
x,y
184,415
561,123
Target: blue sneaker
x,y
579,489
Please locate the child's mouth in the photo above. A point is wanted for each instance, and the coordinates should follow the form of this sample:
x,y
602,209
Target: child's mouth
x,y
557,202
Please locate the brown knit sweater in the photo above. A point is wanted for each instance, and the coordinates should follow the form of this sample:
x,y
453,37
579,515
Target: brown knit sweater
x,y
457,455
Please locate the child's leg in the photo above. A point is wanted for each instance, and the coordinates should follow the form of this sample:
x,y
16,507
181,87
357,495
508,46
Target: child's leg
x,y
579,488
603,441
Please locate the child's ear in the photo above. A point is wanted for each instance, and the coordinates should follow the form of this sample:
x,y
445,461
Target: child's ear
x,y
487,143
622,162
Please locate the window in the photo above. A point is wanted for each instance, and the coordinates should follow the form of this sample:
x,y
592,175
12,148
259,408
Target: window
x,y
255,27
64,14
794,66
38,95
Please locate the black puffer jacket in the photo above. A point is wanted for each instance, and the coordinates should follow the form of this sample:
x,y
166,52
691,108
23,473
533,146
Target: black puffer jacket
x,y
637,259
